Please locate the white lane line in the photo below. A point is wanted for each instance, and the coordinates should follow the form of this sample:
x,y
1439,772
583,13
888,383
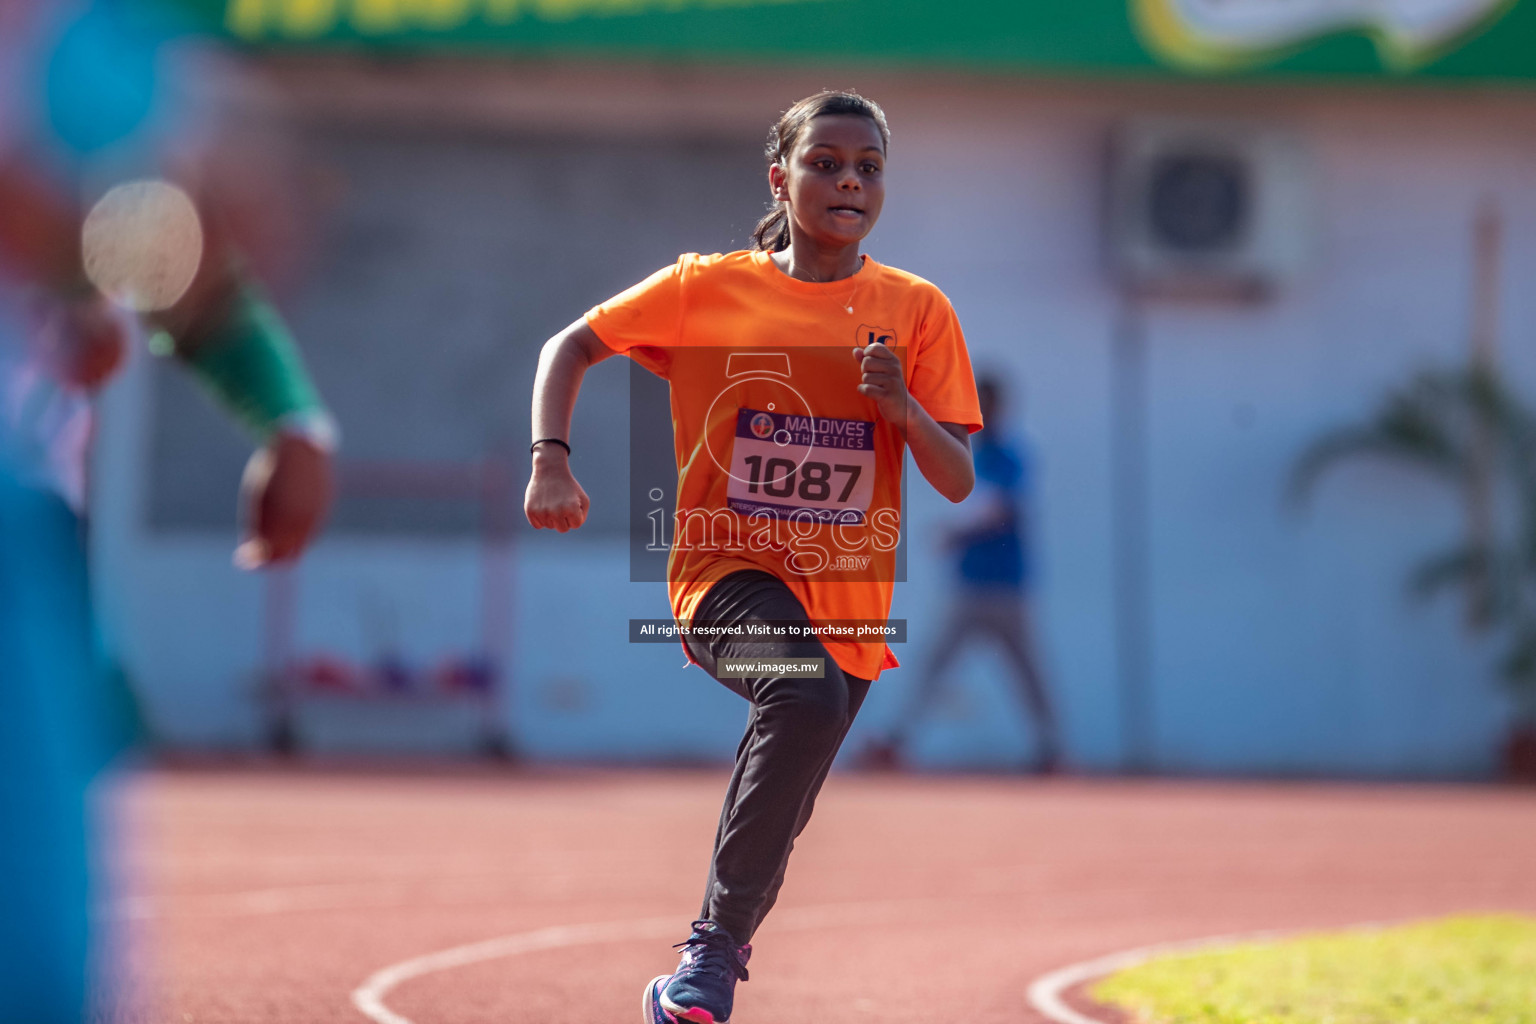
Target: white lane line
x,y
369,996
1046,992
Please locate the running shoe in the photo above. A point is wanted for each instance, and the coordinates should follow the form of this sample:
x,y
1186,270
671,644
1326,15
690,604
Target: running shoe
x,y
650,1006
703,988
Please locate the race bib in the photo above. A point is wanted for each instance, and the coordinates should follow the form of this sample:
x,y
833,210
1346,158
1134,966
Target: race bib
x,y
805,467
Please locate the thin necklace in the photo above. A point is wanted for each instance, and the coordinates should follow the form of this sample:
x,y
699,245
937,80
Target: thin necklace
x,y
847,306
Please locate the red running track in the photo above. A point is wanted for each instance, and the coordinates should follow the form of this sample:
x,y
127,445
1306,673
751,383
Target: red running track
x,y
267,896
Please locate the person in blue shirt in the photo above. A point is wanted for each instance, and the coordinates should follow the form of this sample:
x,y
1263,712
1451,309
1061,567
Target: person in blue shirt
x,y
991,602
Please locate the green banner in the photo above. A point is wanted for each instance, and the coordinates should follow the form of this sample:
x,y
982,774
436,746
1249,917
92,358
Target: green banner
x,y
1374,39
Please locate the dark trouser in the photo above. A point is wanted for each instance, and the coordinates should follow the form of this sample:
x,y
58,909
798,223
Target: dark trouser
x,y
794,729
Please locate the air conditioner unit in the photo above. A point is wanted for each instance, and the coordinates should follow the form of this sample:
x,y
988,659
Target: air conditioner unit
x,y
1207,207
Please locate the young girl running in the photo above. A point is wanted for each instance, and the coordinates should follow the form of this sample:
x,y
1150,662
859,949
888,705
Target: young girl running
x,y
789,454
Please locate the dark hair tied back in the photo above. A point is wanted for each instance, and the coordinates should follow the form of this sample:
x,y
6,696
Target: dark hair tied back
x,y
772,232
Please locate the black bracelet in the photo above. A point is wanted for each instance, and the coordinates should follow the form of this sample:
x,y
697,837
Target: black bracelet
x,y
556,440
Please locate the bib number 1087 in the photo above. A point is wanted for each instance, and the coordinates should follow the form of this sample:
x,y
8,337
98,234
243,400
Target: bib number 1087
x,y
810,480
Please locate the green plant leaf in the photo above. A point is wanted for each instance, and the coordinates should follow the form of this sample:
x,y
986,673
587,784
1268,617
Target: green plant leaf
x,y
1464,426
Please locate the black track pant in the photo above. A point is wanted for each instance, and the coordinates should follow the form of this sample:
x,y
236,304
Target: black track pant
x,y
793,732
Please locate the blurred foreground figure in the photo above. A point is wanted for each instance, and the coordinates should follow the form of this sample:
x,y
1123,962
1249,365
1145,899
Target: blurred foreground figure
x,y
116,223
991,597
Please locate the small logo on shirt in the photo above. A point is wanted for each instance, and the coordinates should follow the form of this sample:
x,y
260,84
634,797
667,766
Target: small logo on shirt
x,y
762,425
870,335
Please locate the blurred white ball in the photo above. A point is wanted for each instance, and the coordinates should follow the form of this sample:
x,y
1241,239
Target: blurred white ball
x,y
142,243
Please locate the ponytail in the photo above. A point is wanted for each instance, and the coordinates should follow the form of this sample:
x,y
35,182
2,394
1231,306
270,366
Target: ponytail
x,y
772,232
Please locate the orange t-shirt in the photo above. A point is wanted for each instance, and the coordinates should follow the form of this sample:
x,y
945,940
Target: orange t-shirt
x,y
782,465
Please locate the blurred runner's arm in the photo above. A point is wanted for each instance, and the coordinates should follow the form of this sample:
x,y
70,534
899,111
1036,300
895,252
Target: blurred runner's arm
x,y
239,349
229,338
554,500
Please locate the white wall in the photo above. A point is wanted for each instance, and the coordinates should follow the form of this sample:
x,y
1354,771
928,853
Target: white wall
x,y
1281,642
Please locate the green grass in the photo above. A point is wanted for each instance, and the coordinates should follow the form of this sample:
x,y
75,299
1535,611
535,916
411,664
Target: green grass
x,y
1462,970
